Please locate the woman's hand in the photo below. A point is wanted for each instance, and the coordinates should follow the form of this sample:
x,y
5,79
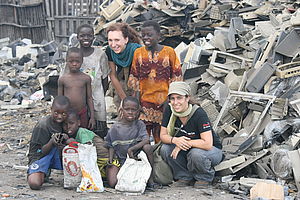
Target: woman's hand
x,y
175,152
182,142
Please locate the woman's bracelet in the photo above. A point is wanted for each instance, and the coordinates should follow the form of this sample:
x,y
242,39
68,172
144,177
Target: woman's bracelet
x,y
172,140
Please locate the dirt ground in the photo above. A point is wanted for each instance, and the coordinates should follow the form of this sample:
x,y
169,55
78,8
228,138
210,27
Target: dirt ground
x,y
15,131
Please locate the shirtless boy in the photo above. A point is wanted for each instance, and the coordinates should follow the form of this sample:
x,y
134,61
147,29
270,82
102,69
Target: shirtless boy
x,y
76,85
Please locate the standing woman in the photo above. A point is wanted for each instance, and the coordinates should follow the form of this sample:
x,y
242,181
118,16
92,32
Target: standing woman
x,y
154,67
191,148
123,41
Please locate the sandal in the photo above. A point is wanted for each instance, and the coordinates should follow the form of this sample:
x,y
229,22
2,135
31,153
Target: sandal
x,y
182,183
201,185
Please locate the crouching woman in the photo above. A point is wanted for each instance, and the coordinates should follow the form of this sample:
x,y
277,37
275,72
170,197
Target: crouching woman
x,y
190,147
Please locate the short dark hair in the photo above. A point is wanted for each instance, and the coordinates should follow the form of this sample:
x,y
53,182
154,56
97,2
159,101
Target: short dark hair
x,y
84,26
73,113
61,101
152,23
132,99
74,50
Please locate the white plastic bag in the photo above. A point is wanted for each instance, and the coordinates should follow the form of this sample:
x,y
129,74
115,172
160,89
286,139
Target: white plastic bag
x,y
71,166
134,174
91,178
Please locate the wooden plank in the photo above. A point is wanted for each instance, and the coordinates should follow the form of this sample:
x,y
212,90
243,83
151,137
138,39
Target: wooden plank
x,y
81,7
69,31
92,6
56,28
49,23
74,26
75,8
72,7
66,7
64,27
61,7
56,8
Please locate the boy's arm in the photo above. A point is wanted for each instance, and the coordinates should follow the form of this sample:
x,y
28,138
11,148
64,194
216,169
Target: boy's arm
x,y
144,139
105,85
111,153
136,147
90,103
47,147
105,69
60,90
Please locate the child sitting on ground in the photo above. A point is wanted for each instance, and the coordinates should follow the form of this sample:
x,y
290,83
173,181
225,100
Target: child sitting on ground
x,y
76,85
45,146
127,136
84,136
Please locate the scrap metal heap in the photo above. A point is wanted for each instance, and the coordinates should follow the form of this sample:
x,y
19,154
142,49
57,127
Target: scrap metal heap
x,y
242,62
241,59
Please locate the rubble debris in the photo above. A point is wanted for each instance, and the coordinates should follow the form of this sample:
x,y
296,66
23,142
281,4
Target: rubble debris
x,y
259,77
241,58
26,69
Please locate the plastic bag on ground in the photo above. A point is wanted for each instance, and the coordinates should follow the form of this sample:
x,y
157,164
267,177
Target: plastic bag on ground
x,y
91,178
134,174
71,166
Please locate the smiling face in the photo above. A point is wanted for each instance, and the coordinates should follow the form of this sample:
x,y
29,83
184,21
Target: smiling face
x,y
130,111
150,37
116,41
74,61
179,103
86,37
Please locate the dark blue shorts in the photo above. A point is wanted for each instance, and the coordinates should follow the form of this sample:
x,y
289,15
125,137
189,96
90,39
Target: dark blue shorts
x,y
50,161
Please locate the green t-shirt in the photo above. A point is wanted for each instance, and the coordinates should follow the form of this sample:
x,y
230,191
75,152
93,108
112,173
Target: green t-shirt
x,y
84,135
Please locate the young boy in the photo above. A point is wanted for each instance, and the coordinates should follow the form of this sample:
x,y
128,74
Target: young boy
x,y
95,64
154,67
127,136
44,148
84,136
76,85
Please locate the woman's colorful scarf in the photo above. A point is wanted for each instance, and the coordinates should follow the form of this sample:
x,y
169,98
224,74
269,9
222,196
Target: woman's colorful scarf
x,y
124,59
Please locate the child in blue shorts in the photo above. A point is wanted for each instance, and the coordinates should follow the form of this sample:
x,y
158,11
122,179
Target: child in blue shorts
x,y
46,143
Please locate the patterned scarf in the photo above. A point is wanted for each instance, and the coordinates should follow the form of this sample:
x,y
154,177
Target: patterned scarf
x,y
124,59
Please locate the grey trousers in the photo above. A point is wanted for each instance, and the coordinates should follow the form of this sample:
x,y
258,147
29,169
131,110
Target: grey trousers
x,y
192,164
